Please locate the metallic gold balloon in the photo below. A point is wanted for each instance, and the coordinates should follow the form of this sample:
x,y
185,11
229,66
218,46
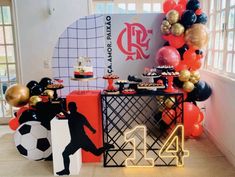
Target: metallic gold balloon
x,y
197,36
160,98
161,108
177,29
165,30
49,93
194,80
169,102
196,74
184,75
17,95
166,23
34,100
188,86
173,16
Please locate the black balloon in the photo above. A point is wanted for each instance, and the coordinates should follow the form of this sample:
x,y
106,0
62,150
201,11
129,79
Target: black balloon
x,y
45,82
178,83
31,84
36,90
166,44
182,50
28,115
188,18
193,5
201,92
202,18
47,111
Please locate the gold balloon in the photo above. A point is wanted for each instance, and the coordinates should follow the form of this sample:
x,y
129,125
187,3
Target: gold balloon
x,y
166,23
49,93
165,30
160,98
34,100
184,75
194,80
177,29
169,102
197,36
161,108
173,16
188,86
196,74
17,95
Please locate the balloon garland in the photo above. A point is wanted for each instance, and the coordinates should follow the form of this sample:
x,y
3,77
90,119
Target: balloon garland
x,y
187,37
34,102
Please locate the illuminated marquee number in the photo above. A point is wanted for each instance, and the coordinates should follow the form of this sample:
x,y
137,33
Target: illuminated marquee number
x,y
174,146
137,137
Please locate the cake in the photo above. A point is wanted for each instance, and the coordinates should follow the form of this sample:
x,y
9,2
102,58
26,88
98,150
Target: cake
x,y
83,72
84,68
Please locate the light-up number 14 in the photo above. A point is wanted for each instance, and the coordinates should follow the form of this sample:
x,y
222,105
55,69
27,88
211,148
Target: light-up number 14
x,y
172,148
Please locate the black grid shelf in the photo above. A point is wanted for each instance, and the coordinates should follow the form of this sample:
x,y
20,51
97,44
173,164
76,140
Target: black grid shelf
x,y
124,112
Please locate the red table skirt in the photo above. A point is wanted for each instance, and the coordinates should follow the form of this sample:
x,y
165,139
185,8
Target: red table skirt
x,y
89,104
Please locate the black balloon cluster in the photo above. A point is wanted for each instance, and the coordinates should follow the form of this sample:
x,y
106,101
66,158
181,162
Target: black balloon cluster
x,y
193,14
43,110
38,88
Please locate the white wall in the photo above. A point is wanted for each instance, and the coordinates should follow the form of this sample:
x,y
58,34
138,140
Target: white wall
x,y
38,31
220,113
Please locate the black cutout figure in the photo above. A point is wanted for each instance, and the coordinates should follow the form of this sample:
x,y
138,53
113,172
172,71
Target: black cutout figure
x,y
79,139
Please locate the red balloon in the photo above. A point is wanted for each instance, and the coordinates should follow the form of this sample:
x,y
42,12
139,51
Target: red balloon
x,y
175,41
14,123
183,3
198,12
181,66
200,117
168,116
197,130
20,111
167,56
197,64
190,55
168,5
191,113
179,8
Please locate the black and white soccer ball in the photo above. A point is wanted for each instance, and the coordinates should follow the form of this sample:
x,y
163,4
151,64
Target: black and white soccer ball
x,y
33,140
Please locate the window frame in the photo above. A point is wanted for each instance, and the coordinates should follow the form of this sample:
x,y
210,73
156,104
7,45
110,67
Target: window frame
x,y
139,5
225,32
12,4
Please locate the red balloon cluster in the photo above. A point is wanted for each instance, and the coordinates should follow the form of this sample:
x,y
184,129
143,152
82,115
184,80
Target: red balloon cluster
x,y
186,34
192,120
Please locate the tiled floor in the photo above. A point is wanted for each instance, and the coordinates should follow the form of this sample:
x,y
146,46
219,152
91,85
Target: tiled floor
x,y
205,161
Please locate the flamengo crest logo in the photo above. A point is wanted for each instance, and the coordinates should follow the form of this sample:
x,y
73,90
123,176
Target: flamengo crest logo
x,y
137,40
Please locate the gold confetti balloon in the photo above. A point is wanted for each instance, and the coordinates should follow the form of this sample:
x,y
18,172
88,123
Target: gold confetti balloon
x,y
197,36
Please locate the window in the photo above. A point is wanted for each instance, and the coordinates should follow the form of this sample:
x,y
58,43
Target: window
x,y
221,48
126,6
147,7
7,57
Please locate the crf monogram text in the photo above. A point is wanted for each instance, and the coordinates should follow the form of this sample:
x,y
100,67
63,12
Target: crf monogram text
x,y
134,40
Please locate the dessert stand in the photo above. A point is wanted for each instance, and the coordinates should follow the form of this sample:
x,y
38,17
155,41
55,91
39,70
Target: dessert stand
x,y
84,80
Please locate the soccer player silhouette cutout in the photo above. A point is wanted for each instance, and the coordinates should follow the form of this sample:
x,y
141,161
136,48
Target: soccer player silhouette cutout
x,y
79,139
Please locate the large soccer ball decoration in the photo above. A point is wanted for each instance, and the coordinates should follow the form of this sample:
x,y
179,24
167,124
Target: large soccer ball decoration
x,y
33,140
